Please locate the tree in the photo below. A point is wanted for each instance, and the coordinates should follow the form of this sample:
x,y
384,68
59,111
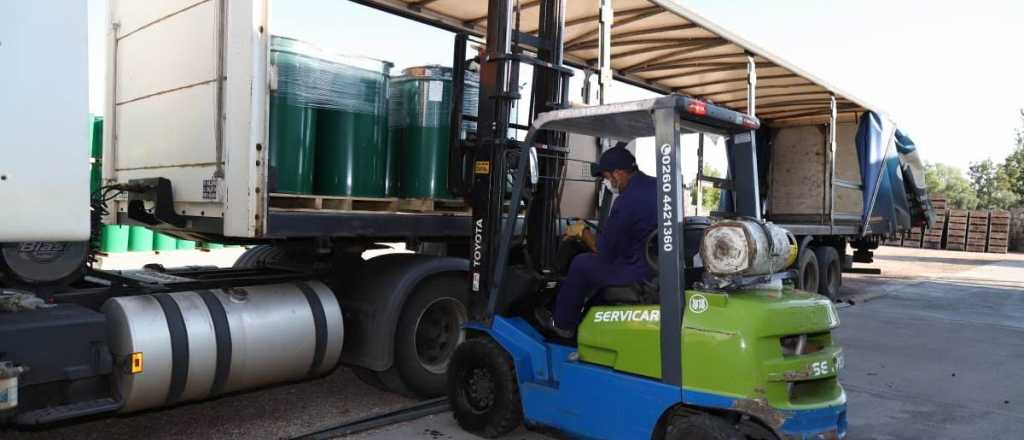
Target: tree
x,y
991,185
1013,167
710,194
983,180
949,181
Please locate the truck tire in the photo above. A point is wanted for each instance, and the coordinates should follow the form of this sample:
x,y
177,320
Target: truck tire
x,y
807,270
429,330
258,256
482,389
700,426
830,270
40,263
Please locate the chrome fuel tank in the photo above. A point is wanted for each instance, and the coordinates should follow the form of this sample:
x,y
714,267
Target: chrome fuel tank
x,y
197,344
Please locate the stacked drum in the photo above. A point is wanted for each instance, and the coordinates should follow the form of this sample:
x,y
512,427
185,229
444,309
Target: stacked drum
x,y
340,127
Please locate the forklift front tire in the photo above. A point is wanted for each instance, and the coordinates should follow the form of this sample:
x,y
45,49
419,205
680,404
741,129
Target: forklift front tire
x,y
482,389
700,426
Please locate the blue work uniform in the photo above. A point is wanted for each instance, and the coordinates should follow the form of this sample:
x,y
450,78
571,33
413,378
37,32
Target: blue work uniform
x,y
621,245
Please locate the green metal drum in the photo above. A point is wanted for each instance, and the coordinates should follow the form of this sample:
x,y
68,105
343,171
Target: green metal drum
x,y
140,239
293,115
470,102
351,144
420,131
164,242
114,238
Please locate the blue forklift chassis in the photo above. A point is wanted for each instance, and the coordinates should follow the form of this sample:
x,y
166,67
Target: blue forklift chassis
x,y
595,402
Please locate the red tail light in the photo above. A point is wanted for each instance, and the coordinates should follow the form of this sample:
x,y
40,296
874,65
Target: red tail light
x,y
697,108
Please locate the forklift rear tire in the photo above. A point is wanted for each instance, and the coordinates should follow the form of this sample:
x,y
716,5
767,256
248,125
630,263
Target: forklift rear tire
x,y
807,271
482,389
429,330
700,426
830,270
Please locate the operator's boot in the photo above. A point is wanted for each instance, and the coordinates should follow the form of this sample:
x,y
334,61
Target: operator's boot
x,y
547,322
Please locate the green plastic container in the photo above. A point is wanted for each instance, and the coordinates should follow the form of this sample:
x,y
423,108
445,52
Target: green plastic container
x,y
114,238
208,245
96,153
419,118
292,115
186,245
164,242
351,134
140,239
96,137
95,177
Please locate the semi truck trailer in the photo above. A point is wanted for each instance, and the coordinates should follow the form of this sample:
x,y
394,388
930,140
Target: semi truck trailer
x,y
197,101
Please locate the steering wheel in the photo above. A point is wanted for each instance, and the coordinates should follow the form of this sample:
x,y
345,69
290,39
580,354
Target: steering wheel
x,y
651,243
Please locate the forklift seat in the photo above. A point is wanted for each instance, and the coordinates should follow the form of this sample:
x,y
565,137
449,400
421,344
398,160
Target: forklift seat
x,y
646,292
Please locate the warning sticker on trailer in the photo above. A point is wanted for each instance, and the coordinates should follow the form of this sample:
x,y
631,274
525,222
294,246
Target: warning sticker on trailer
x,y
435,91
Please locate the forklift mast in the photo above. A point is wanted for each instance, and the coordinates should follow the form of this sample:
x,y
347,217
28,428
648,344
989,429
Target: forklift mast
x,y
492,157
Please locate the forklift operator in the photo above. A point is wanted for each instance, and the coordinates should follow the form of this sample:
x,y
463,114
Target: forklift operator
x,y
616,256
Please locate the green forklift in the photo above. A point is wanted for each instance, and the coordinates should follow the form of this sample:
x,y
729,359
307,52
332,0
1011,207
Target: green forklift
x,y
719,345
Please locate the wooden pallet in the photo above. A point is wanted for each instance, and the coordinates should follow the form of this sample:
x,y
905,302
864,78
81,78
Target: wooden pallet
x,y
932,245
999,228
955,246
1002,215
303,202
975,248
911,244
893,240
433,205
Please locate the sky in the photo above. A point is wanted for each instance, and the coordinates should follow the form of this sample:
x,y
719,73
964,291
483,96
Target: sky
x,y
950,73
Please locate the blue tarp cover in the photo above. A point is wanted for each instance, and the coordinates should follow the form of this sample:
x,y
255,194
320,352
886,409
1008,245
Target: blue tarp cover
x,y
885,200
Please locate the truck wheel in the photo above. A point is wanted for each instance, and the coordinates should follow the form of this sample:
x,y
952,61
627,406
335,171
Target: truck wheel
x,y
830,270
807,271
429,330
700,426
42,263
258,256
482,389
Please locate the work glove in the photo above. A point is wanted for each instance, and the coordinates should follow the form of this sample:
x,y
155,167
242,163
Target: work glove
x,y
575,230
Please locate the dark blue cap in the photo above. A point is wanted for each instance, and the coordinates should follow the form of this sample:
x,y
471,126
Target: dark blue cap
x,y
618,158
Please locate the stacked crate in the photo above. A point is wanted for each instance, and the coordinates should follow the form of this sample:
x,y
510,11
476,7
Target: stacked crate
x,y
999,232
956,229
893,240
977,231
913,237
933,236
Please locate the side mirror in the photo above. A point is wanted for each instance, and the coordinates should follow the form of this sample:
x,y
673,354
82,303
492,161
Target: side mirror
x,y
534,166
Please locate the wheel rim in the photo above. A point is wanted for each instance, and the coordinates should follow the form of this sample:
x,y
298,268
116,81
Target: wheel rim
x,y
478,390
438,332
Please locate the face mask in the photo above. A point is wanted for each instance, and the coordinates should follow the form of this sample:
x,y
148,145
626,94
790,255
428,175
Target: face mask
x,y
611,187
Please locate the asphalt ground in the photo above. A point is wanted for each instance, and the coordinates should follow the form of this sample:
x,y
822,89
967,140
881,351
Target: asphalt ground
x,y
933,350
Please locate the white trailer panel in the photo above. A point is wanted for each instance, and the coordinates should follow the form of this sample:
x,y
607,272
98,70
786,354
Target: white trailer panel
x,y
187,93
44,150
